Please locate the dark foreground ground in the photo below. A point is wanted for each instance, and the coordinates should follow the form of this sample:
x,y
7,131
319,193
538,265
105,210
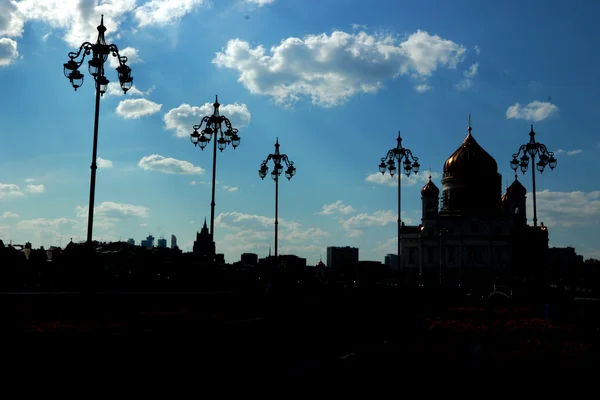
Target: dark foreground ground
x,y
291,340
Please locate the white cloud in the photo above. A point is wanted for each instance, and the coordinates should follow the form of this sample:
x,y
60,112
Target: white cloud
x,y
8,214
29,180
336,207
164,12
143,224
108,213
422,88
534,111
469,74
78,19
11,22
251,232
387,179
566,209
136,108
9,190
132,57
183,118
35,188
230,188
260,3
356,224
477,49
332,68
8,52
102,163
55,224
169,165
114,90
390,246
569,153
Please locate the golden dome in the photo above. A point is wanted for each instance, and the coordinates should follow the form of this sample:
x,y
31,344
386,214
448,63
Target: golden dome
x,y
430,190
469,158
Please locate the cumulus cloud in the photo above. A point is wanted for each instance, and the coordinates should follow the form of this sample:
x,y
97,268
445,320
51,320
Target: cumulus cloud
x,y
108,213
260,3
183,118
164,12
77,20
9,190
8,214
534,111
230,188
388,180
8,52
169,165
136,108
114,90
55,224
565,209
102,163
469,74
331,68
132,55
569,153
336,207
356,224
251,232
35,188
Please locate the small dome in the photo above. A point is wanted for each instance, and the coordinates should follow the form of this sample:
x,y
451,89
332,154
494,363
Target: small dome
x,y
516,189
470,157
430,190
320,264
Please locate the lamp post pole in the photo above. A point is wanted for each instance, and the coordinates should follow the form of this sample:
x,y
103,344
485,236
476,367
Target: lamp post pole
x,y
410,165
99,52
278,161
530,150
213,126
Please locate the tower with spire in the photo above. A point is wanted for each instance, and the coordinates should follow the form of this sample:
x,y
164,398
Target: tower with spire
x,y
204,246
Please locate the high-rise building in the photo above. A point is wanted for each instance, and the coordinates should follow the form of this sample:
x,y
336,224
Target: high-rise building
x,y
249,258
204,246
148,242
391,261
162,243
131,241
342,257
173,242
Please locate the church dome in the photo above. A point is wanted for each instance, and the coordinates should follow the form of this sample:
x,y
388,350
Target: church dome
x,y
516,189
430,190
470,157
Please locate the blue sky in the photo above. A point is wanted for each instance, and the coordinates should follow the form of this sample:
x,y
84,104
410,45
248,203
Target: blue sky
x,y
335,81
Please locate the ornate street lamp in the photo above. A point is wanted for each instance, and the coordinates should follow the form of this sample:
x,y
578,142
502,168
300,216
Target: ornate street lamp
x,y
409,164
99,52
521,160
213,125
278,161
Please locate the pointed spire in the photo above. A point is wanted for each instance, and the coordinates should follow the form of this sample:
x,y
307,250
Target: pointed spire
x,y
204,226
469,123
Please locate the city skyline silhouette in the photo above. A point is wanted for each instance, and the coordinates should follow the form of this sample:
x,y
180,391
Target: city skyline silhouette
x,y
150,180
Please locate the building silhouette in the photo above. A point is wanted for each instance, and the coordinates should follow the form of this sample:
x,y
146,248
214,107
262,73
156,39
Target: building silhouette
x,y
343,262
162,243
476,234
204,246
148,242
131,241
173,242
391,261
